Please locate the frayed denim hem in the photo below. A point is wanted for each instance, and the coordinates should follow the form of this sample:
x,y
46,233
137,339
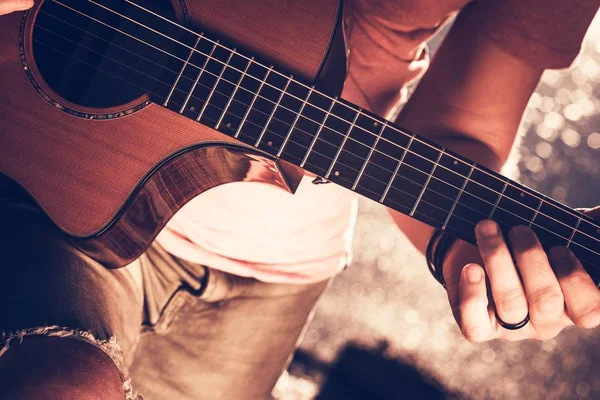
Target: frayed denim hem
x,y
110,347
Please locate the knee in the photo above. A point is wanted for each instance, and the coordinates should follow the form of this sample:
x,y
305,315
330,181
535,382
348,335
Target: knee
x,y
58,368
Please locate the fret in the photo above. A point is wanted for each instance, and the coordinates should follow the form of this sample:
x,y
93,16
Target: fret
x,y
359,140
259,123
279,129
383,161
441,192
293,126
537,210
321,127
185,64
241,97
311,112
462,189
299,118
573,232
341,148
587,255
398,166
585,243
476,200
262,133
195,84
364,166
257,94
554,224
437,161
416,169
226,73
500,195
212,91
237,86
517,206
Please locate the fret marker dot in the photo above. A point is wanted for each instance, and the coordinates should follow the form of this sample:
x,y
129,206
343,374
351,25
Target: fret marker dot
x,y
228,125
522,194
192,109
270,143
455,162
375,124
337,173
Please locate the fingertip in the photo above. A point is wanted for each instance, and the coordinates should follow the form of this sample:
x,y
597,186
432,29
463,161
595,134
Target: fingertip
x,y
473,273
559,252
487,229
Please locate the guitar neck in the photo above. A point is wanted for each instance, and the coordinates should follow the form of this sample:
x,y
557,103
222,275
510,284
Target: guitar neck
x,y
264,107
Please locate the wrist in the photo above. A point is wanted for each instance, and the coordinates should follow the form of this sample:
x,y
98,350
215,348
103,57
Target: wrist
x,y
437,250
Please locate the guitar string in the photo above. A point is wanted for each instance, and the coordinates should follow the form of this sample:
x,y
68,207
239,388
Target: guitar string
x,y
280,136
524,219
270,131
543,199
389,199
349,167
580,216
354,170
565,209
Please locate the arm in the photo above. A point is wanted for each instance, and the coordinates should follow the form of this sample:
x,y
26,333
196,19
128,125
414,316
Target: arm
x,y
471,101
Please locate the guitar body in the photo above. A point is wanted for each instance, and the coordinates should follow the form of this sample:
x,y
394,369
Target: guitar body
x,y
111,177
115,113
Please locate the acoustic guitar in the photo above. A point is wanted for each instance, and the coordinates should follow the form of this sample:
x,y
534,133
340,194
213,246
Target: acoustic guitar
x,y
115,113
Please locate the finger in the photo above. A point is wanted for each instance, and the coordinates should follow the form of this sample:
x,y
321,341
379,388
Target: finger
x,y
582,297
544,294
475,322
592,212
507,290
8,6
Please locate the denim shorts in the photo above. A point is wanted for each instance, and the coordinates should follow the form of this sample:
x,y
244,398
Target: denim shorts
x,y
174,329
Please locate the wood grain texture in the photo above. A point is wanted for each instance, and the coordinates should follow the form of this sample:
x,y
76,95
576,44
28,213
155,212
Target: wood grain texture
x,y
83,172
172,184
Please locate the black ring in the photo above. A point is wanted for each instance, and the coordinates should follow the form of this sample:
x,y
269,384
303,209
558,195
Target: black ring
x,y
512,327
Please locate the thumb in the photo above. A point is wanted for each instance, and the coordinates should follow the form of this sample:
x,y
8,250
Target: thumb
x,y
8,6
475,322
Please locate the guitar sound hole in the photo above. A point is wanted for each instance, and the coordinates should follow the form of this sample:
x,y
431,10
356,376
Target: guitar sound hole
x,y
94,57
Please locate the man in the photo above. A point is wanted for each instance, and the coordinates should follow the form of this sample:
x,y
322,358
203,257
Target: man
x,y
227,330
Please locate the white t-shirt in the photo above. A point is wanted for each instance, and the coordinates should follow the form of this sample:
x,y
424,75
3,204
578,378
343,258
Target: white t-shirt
x,y
262,231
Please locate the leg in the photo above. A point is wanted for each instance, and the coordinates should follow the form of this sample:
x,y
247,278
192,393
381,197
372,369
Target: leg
x,y
229,338
45,283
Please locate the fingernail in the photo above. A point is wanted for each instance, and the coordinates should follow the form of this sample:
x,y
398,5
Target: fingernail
x,y
474,274
487,229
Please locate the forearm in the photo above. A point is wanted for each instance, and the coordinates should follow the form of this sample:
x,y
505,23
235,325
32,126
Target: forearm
x,y
471,101
419,233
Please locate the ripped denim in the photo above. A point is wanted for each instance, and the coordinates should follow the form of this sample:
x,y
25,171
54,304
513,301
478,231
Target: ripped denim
x,y
109,347
174,329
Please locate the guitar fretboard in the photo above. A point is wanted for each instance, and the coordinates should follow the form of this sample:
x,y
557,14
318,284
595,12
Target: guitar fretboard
x,y
222,87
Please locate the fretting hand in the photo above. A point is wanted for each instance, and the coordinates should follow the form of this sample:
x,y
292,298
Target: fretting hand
x,y
552,287
8,6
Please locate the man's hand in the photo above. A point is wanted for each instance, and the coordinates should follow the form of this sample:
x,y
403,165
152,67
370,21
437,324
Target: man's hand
x,y
552,287
8,6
